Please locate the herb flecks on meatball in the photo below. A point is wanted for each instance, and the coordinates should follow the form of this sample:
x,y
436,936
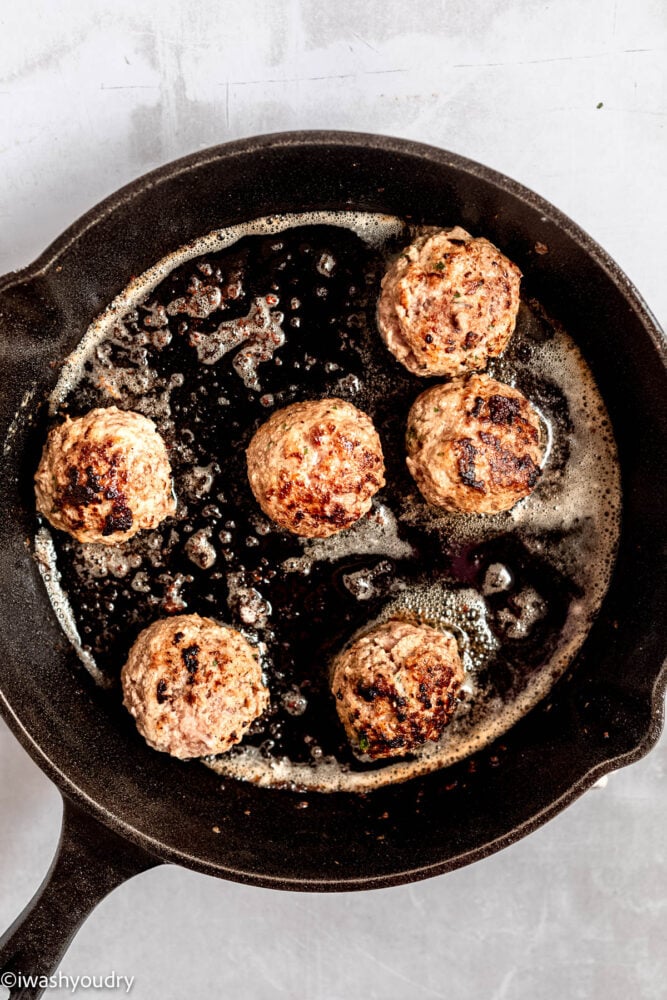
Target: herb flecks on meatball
x,y
474,446
105,476
193,686
396,687
314,467
448,303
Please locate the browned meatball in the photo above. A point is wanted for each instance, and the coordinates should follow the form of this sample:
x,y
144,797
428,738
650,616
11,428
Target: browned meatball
x,y
105,476
448,303
314,467
396,687
193,686
474,446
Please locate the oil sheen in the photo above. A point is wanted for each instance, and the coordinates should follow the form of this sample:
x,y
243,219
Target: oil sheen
x,y
246,320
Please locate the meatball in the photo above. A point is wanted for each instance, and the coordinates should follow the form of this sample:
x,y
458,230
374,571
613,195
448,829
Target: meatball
x,y
314,467
193,686
448,303
105,476
474,446
396,687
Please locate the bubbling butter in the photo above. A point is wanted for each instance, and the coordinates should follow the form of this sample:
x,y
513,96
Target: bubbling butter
x,y
571,520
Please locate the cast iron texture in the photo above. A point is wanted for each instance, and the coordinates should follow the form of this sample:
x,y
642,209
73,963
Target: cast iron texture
x,y
605,713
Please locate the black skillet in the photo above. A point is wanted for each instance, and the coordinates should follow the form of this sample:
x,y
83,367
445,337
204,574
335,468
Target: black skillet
x,y
127,808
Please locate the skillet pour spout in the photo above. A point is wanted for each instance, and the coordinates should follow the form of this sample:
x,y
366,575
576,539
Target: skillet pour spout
x,y
128,808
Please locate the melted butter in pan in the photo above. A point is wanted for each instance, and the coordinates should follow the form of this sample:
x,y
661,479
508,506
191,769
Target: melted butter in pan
x,y
208,343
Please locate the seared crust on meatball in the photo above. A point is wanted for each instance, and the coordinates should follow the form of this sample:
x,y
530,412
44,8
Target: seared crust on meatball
x,y
474,446
396,687
105,476
314,467
193,686
448,303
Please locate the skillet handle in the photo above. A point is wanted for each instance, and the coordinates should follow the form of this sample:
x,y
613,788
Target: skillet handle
x,y
90,862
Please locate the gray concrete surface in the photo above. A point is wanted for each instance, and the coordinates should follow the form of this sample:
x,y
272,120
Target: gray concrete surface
x,y
93,94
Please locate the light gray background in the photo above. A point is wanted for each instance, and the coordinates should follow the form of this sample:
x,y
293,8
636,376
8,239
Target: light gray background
x,y
93,94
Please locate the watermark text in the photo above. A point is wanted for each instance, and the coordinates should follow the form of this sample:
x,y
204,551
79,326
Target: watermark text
x,y
61,981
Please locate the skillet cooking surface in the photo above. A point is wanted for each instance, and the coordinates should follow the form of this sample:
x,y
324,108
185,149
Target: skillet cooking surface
x,y
605,712
303,600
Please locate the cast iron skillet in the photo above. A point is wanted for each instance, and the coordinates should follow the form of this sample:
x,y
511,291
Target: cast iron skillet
x,y
128,808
